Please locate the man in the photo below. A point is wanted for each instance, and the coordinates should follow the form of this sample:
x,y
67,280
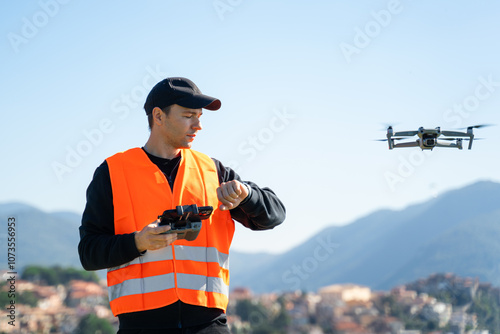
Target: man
x,y
156,283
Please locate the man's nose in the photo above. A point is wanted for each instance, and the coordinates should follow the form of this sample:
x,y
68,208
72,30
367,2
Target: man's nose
x,y
197,124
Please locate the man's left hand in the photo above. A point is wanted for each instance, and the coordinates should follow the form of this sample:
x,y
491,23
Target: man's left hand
x,y
231,194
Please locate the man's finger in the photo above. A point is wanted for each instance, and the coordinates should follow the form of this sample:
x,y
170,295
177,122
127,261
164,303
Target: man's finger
x,y
225,189
223,207
161,229
226,205
234,189
221,196
226,200
152,225
162,240
171,237
237,188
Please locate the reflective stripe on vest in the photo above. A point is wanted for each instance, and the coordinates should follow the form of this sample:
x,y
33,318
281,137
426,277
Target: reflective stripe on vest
x,y
142,285
167,281
195,272
200,254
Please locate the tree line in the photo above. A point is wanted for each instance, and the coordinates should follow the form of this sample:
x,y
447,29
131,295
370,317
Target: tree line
x,y
56,275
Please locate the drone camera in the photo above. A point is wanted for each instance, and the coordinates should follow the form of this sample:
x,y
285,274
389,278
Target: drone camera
x,y
430,142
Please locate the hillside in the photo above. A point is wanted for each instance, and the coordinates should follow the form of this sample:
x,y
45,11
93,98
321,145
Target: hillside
x,y
456,232
42,238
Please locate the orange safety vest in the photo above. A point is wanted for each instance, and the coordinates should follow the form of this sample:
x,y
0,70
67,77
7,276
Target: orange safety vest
x,y
195,272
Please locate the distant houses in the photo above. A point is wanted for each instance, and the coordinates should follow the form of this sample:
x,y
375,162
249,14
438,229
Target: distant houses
x,y
57,309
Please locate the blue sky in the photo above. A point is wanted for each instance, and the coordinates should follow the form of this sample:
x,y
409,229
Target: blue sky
x,y
305,87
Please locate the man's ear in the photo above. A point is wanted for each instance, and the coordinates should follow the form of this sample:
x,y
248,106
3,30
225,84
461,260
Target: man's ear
x,y
157,115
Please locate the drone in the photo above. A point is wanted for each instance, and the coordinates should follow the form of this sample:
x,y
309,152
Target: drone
x,y
430,138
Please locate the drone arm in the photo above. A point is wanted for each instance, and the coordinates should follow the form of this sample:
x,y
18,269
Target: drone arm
x,y
454,134
409,144
442,143
470,141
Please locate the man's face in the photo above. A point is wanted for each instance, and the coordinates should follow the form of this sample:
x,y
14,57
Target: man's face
x,y
181,126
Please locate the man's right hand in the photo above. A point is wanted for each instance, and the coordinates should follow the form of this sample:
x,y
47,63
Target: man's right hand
x,y
149,238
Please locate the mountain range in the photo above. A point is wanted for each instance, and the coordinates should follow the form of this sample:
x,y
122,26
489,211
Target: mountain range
x,y
457,232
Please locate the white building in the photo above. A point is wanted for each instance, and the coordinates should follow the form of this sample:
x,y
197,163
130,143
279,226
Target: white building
x,y
345,293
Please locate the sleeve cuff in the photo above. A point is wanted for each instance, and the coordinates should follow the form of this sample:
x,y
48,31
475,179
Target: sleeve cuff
x,y
249,193
251,200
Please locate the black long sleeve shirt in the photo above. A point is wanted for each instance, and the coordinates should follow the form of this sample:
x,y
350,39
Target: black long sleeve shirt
x,y
100,248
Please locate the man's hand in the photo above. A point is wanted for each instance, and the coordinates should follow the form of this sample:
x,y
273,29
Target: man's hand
x,y
149,238
231,194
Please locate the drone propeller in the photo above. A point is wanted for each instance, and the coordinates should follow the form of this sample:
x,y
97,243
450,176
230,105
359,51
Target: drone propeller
x,y
395,138
387,125
479,126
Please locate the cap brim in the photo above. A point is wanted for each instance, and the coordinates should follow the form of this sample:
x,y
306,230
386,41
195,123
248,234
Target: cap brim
x,y
200,101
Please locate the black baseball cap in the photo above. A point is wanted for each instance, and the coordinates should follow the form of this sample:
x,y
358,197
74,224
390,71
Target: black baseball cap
x,y
179,91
